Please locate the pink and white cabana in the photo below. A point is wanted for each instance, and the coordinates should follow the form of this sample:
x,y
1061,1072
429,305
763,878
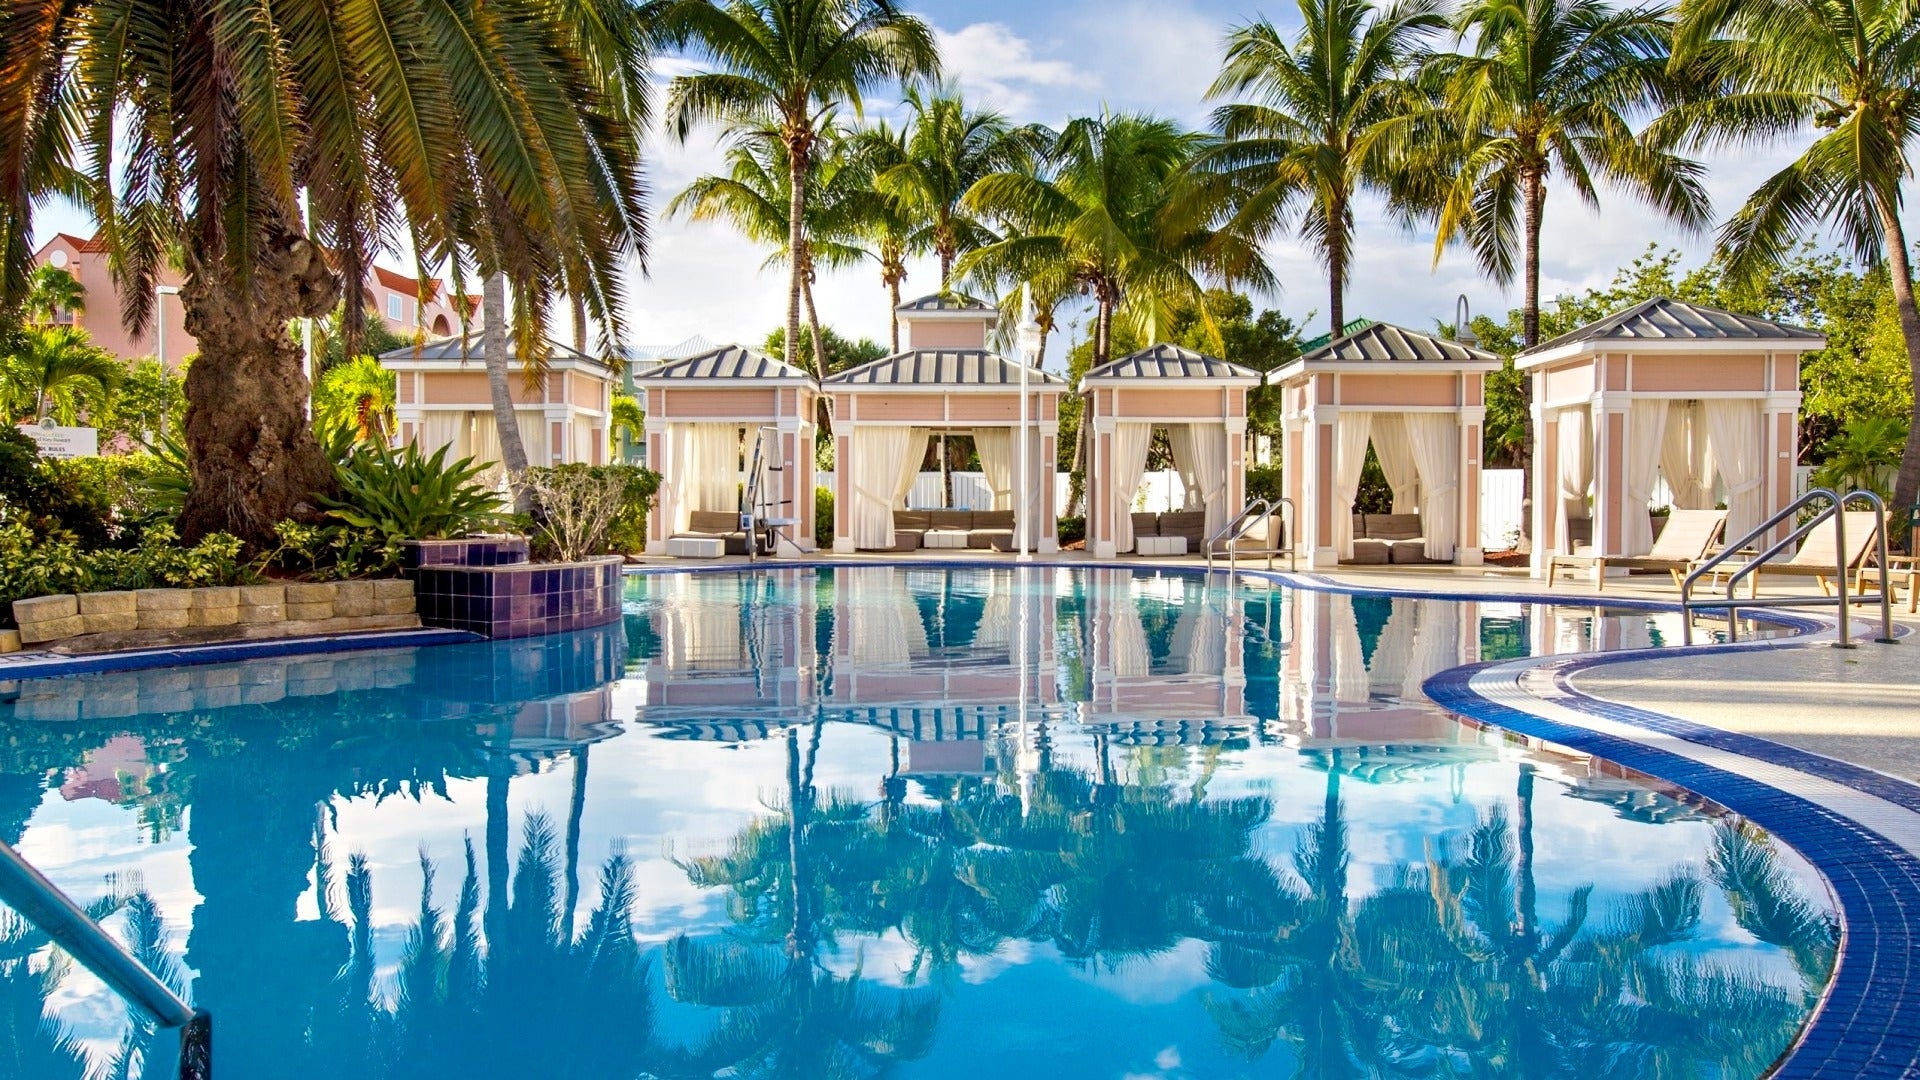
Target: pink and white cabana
x,y
947,381
1419,401
1708,398
705,414
1201,402
442,398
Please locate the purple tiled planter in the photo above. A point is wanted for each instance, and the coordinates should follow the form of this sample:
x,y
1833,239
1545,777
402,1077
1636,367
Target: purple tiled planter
x,y
474,551
520,599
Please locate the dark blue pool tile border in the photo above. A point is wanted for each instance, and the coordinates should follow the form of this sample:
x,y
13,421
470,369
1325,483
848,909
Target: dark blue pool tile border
x,y
227,652
1868,1026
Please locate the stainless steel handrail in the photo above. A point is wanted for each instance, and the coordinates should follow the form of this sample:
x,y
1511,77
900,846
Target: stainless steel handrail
x,y
1259,511
1836,505
27,891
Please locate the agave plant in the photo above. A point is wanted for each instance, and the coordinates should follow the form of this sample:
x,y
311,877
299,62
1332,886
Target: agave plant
x,y
402,494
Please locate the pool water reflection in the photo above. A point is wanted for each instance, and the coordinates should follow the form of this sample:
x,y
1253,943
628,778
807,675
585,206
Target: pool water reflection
x,y
872,821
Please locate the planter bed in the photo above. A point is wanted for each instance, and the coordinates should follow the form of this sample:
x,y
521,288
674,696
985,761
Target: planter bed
x,y
147,618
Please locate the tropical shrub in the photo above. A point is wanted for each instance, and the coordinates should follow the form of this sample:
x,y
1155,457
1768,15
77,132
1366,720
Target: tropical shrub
x,y
332,550
1073,530
1863,457
402,494
47,498
576,508
1265,482
823,516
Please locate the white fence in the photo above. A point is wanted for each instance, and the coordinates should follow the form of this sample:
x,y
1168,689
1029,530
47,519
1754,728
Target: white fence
x,y
1502,511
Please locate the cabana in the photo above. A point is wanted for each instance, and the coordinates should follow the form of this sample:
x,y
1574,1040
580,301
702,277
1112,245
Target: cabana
x,y
705,416
1419,400
1201,402
1709,398
442,399
947,381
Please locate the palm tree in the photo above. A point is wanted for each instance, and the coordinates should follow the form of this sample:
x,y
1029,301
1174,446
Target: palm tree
x,y
1122,218
358,395
949,148
494,348
1850,71
1321,123
754,197
53,364
883,224
1550,87
52,290
783,65
500,133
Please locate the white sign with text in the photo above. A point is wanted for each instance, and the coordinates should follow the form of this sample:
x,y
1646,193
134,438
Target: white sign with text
x,y
63,442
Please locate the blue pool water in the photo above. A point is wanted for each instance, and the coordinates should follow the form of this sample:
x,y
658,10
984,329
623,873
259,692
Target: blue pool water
x,y
912,822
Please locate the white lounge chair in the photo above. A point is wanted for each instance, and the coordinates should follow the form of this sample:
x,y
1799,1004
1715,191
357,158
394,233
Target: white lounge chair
x,y
1819,555
1686,539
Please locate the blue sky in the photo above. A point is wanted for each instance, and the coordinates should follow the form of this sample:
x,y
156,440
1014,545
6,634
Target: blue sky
x,y
1052,59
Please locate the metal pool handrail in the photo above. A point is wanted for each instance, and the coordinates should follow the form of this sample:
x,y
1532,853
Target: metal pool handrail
x,y
27,891
1836,505
1259,511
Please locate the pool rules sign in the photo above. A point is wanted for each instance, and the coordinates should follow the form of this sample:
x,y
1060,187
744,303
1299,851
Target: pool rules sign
x,y
63,442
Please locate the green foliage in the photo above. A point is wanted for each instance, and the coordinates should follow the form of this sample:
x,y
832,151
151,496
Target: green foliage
x,y
840,352
1072,529
56,371
406,495
822,516
150,403
1265,482
332,550
37,564
359,395
47,498
330,340
584,510
627,420
1863,457
52,290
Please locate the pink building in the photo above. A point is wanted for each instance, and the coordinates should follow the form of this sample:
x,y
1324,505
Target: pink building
x,y
392,297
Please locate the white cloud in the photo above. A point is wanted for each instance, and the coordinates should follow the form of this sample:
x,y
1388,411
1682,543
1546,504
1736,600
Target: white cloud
x,y
998,68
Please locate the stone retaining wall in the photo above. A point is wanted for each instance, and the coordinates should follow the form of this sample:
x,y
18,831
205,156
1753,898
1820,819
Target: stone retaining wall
x,y
163,614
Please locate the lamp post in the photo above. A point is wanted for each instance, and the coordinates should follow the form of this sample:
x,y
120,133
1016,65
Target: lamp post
x,y
160,293
1028,339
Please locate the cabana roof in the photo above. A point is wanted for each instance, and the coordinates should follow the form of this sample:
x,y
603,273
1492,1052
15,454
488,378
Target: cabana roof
x,y
1663,324
1171,362
953,370
449,351
950,303
1384,347
733,364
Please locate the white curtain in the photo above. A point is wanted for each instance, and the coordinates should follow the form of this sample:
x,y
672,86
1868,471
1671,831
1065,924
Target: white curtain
x,y
1180,441
1129,465
917,440
448,429
1349,659
713,463
1685,459
1646,434
1575,473
1208,449
1350,436
534,436
875,469
882,622
1434,439
1436,646
1733,429
1127,652
1395,453
1390,653
485,444
995,446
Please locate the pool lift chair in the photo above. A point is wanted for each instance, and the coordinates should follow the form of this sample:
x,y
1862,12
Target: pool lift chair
x,y
767,517
1821,537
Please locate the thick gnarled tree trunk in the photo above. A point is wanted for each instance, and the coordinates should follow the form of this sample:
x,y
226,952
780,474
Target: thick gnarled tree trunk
x,y
255,460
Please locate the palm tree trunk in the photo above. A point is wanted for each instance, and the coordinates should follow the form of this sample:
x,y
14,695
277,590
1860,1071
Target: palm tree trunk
x,y
1102,331
1525,895
796,241
893,308
1906,485
579,322
813,325
1337,263
254,459
576,809
1534,195
493,343
946,268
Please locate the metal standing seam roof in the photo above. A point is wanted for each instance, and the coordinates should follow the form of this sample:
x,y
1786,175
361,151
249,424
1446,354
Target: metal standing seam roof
x,y
725,362
1166,361
1385,343
941,367
947,302
1665,319
452,349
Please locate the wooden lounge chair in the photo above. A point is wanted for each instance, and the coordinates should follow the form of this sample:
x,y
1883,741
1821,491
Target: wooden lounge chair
x,y
1819,554
1688,536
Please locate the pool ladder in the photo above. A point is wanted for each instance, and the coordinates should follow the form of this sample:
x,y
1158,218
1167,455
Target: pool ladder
x,y
1259,512
27,891
1844,595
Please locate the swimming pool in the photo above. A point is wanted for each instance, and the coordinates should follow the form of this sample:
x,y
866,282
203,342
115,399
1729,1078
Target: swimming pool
x,y
920,822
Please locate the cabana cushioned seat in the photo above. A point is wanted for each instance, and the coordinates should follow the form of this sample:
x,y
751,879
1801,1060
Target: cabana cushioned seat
x,y
984,528
716,524
1190,524
1382,539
